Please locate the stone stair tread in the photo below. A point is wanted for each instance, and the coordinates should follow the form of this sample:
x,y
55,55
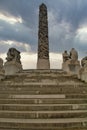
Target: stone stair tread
x,y
30,83
40,83
39,91
46,128
70,99
44,100
38,96
42,104
42,107
64,111
44,96
65,120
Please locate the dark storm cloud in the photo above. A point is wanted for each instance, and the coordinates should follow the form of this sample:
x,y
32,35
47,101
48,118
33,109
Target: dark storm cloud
x,y
27,9
72,12
18,33
15,32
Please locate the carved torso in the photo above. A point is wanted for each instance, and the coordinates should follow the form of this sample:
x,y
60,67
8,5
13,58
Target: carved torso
x,y
74,54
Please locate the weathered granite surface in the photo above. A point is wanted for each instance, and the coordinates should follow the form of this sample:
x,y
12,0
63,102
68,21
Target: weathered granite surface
x,y
2,72
13,63
43,100
43,40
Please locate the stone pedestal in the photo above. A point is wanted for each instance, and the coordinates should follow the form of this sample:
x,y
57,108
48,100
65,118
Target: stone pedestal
x,y
43,64
83,74
71,67
83,71
12,67
2,72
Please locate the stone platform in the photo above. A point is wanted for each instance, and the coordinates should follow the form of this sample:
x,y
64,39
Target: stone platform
x,y
43,100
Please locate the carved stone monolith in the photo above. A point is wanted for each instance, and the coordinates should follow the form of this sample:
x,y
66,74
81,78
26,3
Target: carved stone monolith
x,y
13,64
43,40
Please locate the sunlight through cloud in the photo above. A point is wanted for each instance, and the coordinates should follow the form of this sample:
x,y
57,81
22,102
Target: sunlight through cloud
x,y
10,19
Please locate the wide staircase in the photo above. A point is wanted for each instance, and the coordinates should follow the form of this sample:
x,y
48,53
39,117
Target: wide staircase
x,y
43,100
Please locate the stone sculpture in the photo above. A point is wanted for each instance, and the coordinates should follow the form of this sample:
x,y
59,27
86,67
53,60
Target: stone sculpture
x,y
84,62
13,55
13,64
70,62
65,56
83,71
43,40
73,54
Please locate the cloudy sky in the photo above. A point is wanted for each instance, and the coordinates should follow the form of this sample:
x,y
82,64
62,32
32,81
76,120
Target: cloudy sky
x,y
19,29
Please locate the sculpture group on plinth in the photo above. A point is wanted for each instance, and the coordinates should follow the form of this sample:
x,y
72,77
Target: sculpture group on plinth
x,y
13,63
70,64
83,71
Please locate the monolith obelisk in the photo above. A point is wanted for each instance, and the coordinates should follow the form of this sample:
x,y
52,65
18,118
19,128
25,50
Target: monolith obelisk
x,y
43,40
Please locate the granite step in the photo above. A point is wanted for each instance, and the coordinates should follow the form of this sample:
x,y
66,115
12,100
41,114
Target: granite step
x,y
52,128
43,123
42,96
43,101
42,86
42,107
46,96
38,74
42,81
43,89
41,76
43,114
